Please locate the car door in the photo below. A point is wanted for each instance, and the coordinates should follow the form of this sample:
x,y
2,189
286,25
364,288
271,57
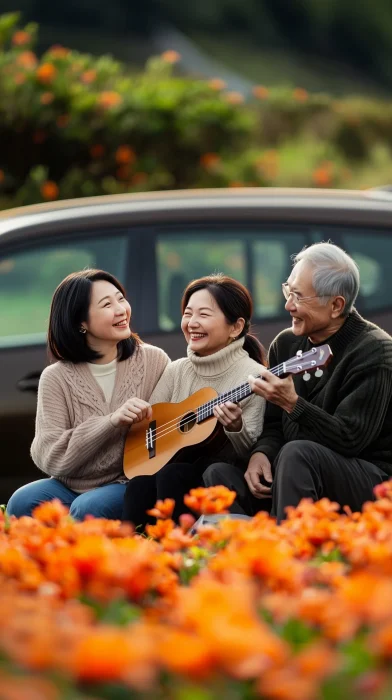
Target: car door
x,y
29,275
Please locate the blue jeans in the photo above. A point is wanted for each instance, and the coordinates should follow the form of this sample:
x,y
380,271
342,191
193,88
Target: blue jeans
x,y
103,502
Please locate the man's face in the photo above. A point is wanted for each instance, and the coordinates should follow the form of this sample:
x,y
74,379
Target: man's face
x,y
311,317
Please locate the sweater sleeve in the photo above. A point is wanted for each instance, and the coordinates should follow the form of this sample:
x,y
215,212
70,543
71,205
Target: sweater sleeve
x,y
271,439
252,424
163,391
156,363
358,418
57,448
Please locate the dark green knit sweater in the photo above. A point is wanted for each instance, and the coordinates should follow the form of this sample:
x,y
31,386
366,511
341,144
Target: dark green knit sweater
x,y
349,408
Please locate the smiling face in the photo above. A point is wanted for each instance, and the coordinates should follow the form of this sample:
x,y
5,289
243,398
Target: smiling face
x,y
204,325
108,317
312,317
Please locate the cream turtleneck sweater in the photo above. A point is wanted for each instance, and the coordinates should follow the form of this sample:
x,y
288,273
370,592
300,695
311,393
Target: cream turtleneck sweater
x,y
223,370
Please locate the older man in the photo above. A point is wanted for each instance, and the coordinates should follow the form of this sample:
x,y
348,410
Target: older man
x,y
330,436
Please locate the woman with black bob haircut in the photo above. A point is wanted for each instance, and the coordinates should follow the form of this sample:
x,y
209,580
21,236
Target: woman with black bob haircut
x,y
98,385
216,320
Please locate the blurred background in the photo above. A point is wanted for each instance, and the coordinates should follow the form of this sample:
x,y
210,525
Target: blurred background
x,y
133,95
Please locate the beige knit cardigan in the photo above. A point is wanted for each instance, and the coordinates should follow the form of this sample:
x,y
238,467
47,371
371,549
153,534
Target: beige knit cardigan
x,y
75,441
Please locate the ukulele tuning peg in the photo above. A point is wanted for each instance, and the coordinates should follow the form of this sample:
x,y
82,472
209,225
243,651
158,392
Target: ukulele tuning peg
x,y
306,377
318,373
299,353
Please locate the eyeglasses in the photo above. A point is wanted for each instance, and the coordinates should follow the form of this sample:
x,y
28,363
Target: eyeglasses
x,y
296,299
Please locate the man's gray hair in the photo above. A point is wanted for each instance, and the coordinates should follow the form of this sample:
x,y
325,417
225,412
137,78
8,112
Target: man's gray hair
x,y
334,272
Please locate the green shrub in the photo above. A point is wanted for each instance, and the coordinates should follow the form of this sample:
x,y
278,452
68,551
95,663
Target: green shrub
x,y
74,125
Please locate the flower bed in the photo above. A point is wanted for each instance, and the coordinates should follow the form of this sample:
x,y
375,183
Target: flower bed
x,y
241,610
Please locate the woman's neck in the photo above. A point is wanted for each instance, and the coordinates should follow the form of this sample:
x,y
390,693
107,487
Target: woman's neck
x,y
108,353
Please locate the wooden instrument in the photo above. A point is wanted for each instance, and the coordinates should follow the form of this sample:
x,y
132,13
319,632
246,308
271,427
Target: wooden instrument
x,y
173,427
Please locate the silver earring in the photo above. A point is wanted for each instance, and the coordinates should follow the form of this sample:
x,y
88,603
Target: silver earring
x,y
83,330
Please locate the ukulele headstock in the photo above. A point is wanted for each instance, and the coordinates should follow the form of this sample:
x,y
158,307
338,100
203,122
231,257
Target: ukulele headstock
x,y
303,362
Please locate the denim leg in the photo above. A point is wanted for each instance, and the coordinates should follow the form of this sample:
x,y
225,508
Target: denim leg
x,y
25,499
103,502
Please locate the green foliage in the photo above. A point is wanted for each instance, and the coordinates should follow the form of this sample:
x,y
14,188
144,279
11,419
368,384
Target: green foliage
x,y
72,125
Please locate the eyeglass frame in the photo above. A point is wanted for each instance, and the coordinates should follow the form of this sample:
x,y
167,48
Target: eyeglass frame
x,y
294,295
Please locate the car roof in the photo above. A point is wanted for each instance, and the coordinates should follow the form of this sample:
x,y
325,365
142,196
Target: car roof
x,y
271,204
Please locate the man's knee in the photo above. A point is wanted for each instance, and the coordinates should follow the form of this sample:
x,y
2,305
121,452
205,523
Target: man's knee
x,y
216,474
295,452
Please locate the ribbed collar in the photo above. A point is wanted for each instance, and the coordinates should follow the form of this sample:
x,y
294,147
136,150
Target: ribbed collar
x,y
353,326
219,362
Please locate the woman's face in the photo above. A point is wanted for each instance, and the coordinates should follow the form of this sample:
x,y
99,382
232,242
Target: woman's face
x,y
109,315
204,325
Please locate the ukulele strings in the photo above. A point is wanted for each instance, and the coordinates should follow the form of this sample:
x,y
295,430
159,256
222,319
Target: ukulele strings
x,y
168,427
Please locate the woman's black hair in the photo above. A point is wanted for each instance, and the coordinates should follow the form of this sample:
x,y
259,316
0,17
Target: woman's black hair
x,y
235,302
69,309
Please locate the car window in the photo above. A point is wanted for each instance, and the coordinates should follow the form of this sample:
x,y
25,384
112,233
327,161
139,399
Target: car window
x,y
258,259
28,279
272,263
183,258
373,254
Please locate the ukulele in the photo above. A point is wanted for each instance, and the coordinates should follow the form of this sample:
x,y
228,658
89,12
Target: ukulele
x,y
173,427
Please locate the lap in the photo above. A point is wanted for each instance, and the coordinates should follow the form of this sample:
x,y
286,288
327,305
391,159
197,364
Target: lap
x,y
26,498
102,502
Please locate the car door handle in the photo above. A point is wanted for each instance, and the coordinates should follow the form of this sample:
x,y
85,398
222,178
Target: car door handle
x,y
29,382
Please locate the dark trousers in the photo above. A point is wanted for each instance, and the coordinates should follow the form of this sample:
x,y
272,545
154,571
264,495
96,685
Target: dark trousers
x,y
305,469
172,481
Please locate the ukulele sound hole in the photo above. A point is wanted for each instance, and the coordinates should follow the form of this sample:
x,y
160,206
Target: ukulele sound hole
x,y
188,422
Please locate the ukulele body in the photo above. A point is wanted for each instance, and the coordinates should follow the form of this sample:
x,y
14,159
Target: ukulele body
x,y
176,429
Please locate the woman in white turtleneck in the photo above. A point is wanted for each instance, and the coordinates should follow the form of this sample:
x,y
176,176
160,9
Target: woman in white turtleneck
x,y
217,313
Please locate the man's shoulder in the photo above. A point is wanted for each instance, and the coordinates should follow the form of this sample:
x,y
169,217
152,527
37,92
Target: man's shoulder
x,y
286,342
374,341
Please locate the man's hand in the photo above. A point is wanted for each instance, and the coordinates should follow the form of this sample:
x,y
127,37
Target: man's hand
x,y
259,466
230,415
278,391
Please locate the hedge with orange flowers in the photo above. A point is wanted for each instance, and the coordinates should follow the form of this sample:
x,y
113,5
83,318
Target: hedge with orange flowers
x,y
240,611
74,125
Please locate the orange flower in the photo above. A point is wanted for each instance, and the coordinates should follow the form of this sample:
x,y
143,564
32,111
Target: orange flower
x,y
109,98
163,509
300,94
97,150
216,84
171,56
125,155
50,513
322,176
139,178
215,499
260,92
58,51
46,73
27,60
234,98
196,658
46,98
209,160
49,190
160,530
88,76
21,37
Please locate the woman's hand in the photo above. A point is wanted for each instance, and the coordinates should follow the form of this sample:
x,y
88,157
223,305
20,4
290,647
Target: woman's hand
x,y
132,411
230,415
